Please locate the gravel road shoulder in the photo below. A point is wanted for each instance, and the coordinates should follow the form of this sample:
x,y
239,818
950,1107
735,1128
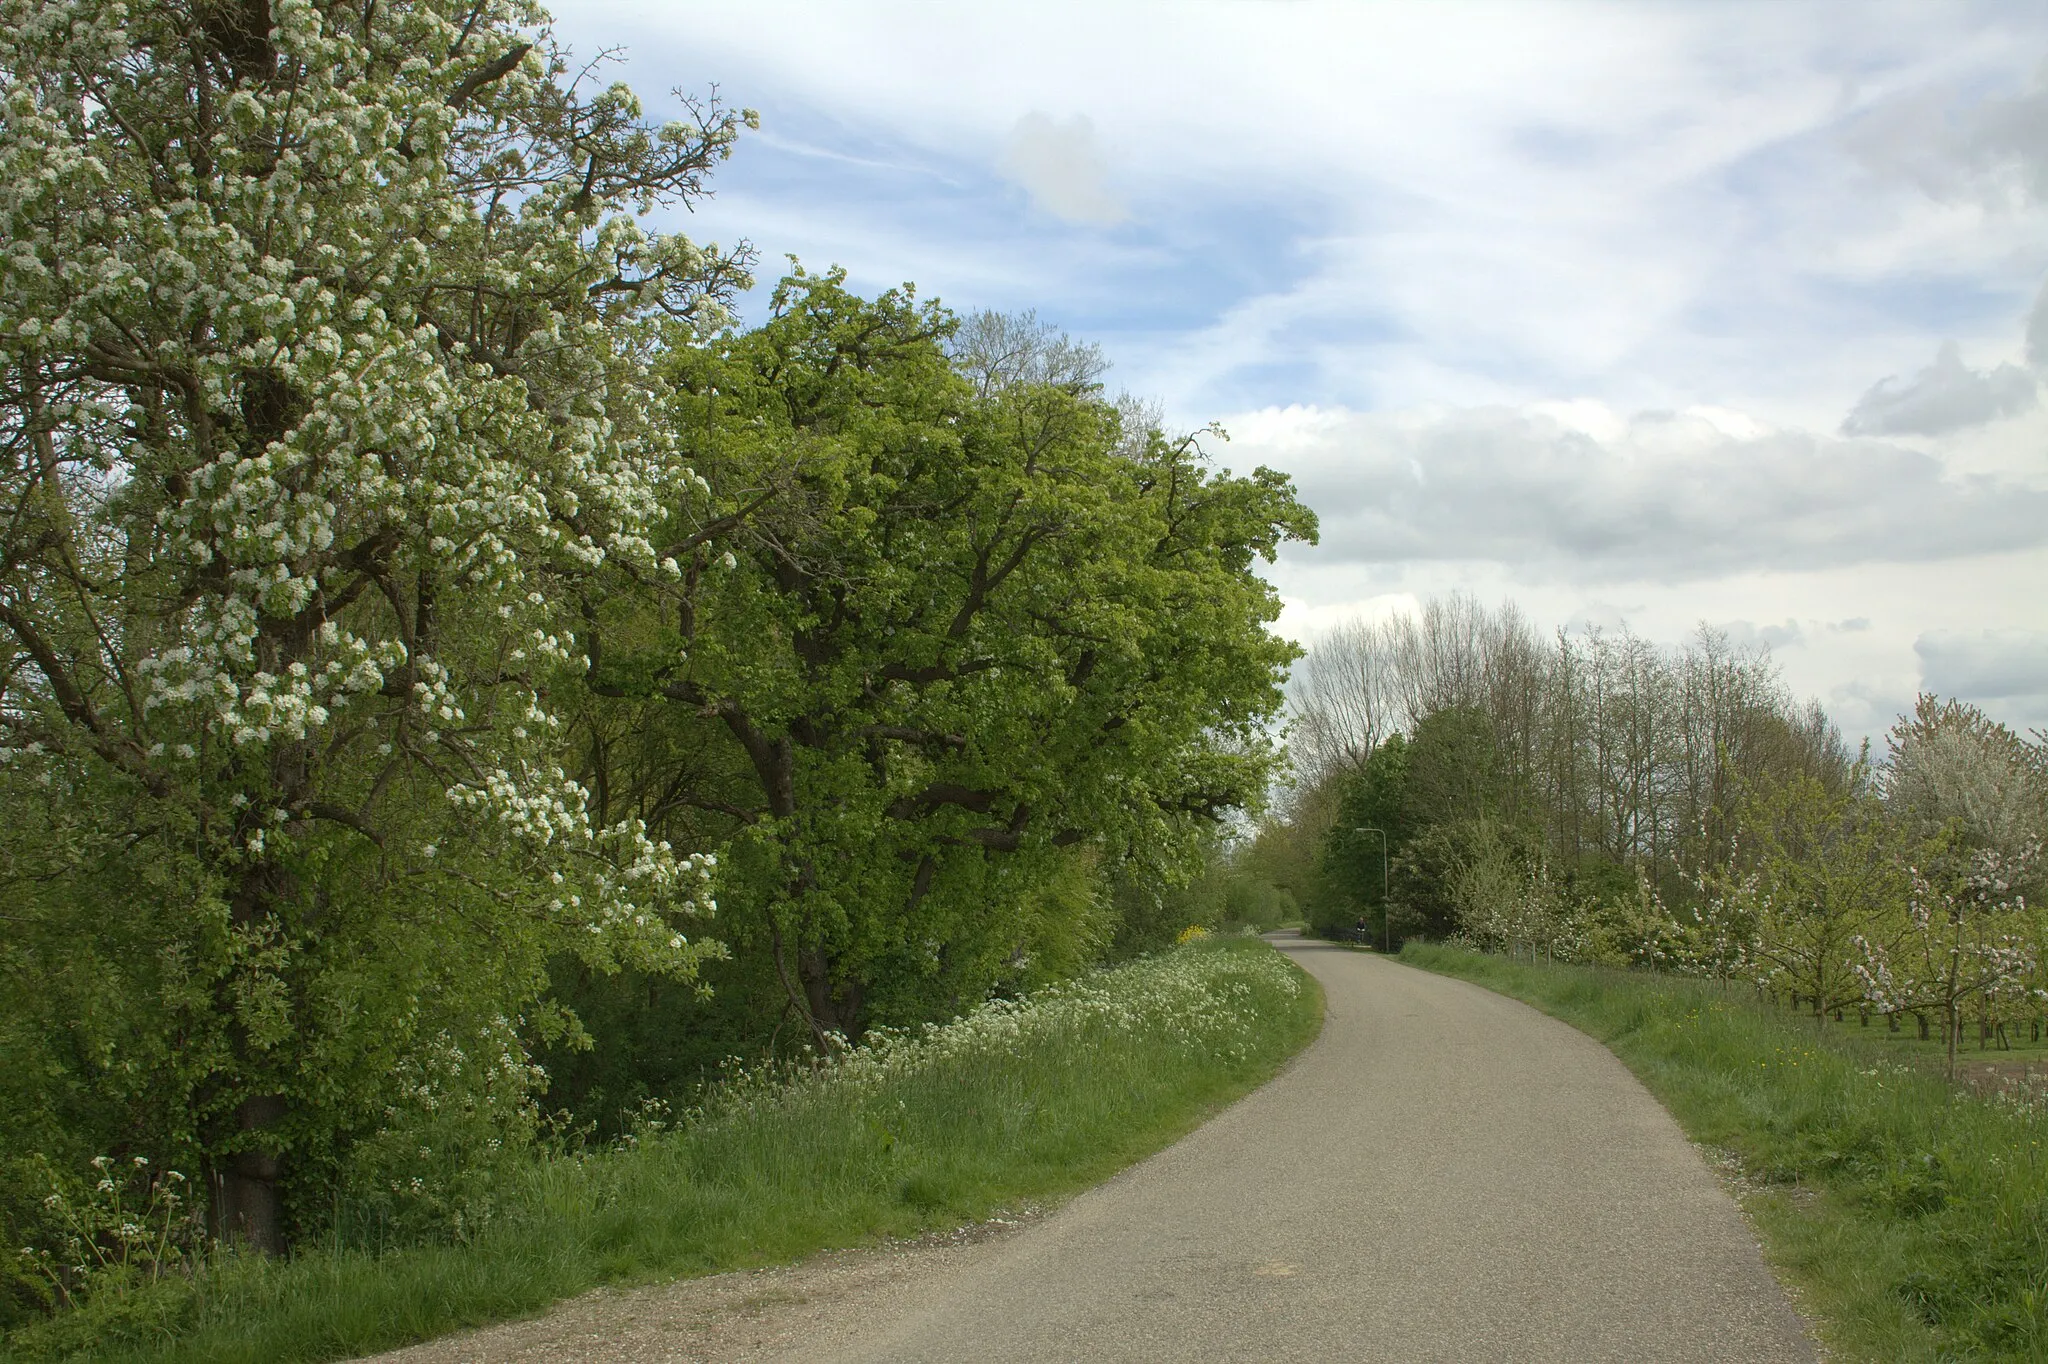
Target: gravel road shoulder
x,y
780,1312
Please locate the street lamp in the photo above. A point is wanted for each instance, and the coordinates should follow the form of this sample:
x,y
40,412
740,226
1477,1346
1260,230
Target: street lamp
x,y
1386,933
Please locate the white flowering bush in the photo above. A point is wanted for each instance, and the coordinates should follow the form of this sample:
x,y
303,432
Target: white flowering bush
x,y
124,1225
459,1121
325,401
1208,1005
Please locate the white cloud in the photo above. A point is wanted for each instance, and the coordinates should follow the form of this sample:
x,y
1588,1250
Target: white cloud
x,y
1649,205
2037,331
1789,633
1954,142
1985,665
1747,634
1060,166
1946,396
1659,497
1866,710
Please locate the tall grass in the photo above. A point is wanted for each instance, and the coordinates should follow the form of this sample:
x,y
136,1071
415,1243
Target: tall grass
x,y
1913,1218
1018,1101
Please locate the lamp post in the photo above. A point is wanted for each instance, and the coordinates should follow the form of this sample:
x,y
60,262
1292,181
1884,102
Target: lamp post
x,y
1386,933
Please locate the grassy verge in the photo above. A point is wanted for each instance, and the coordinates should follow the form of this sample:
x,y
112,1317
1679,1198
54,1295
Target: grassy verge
x,y
1018,1102
1913,1219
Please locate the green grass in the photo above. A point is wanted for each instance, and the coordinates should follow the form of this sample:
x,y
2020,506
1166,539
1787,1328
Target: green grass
x,y
1021,1105
1912,1219
1978,1059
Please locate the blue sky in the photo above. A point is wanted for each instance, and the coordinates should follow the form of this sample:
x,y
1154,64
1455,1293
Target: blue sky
x,y
1648,313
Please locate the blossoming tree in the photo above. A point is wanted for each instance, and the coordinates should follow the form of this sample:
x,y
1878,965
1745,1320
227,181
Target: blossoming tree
x,y
322,370
1967,939
1818,877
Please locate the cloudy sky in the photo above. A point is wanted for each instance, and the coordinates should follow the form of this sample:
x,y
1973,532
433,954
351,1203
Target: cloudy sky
x,y
1649,313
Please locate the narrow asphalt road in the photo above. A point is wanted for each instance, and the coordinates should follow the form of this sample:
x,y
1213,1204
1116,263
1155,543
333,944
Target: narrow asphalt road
x,y
1445,1174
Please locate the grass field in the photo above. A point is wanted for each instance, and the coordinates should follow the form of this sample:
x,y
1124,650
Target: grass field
x,y
1912,1217
1017,1102
1983,1065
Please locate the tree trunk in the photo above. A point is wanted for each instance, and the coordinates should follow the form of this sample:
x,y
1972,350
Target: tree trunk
x,y
818,991
247,1210
798,995
836,1005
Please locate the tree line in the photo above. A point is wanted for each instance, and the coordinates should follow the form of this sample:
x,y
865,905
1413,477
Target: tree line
x,y
456,683
1596,797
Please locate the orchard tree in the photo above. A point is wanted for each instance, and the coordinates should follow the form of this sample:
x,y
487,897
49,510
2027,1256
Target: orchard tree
x,y
1818,880
324,373
1967,938
1714,935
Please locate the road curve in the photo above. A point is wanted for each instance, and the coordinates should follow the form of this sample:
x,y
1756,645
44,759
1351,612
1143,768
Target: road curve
x,y
1445,1174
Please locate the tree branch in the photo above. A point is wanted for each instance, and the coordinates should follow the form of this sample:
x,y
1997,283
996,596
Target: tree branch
x,y
334,814
907,734
487,73
719,527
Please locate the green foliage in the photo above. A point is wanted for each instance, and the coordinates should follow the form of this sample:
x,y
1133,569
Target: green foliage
x,y
646,1038
1818,870
1255,903
1281,856
1915,1219
1234,890
370,658
1443,801
1454,772
1372,828
1598,760
1613,802
116,1239
967,634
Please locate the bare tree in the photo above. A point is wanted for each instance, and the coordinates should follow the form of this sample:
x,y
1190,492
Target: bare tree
x,y
1607,743
1347,697
1001,350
